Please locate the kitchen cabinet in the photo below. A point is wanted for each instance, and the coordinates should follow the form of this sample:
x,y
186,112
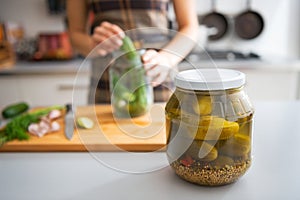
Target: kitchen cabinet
x,y
52,83
43,89
9,90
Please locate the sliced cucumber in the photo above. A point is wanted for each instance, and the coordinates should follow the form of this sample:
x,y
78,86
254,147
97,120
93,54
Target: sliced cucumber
x,y
85,122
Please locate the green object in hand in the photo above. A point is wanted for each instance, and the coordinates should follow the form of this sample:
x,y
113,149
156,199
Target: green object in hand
x,y
130,93
130,50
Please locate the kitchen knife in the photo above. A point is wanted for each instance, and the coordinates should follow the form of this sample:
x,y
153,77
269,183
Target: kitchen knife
x,y
69,122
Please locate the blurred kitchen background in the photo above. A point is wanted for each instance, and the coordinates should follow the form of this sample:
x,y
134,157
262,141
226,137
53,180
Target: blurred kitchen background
x,y
37,64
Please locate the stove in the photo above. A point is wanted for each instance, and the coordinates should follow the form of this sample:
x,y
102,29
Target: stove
x,y
227,55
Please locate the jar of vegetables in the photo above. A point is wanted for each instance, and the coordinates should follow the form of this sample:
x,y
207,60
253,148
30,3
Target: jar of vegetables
x,y
131,90
209,126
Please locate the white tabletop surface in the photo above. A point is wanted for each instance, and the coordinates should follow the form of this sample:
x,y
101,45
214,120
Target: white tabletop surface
x,y
274,174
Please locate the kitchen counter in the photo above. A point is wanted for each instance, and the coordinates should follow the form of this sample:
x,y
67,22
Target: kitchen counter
x,y
267,64
271,74
46,67
73,66
274,173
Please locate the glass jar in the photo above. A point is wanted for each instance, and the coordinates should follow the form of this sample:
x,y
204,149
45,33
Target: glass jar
x,y
131,90
209,126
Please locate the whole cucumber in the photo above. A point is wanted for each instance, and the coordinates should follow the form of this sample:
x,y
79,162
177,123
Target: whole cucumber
x,y
14,110
130,50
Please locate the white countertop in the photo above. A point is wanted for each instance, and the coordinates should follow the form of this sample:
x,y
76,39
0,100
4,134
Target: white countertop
x,y
73,66
267,64
274,173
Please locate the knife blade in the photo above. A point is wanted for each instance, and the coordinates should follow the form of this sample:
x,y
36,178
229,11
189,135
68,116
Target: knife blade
x,y
69,122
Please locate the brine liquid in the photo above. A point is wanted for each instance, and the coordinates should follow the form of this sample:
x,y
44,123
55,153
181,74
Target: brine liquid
x,y
216,152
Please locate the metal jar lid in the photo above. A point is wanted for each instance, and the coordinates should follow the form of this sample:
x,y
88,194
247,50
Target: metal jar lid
x,y
210,79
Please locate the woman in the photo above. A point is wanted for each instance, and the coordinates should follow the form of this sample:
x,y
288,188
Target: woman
x,y
113,18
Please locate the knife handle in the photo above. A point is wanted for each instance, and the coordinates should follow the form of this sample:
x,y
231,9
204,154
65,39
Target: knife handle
x,y
68,107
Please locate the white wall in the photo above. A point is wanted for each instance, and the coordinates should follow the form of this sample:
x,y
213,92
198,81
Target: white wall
x,y
280,37
32,14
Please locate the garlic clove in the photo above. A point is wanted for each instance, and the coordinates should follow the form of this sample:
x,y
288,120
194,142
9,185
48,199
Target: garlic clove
x,y
55,126
33,128
45,125
54,114
42,131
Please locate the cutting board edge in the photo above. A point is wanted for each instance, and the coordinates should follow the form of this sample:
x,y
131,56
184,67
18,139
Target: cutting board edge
x,y
85,148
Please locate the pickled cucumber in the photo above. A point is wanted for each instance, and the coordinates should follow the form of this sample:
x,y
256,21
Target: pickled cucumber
x,y
202,151
214,128
172,108
203,106
209,135
237,146
242,139
245,124
177,142
173,113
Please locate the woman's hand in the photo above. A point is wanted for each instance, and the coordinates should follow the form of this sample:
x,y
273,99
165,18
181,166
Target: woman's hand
x,y
109,36
157,66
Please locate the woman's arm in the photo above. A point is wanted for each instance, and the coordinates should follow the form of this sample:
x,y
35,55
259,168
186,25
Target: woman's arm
x,y
158,64
186,38
77,24
77,13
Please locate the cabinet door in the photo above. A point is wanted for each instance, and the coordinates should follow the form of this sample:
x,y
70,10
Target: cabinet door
x,y
43,90
271,85
9,90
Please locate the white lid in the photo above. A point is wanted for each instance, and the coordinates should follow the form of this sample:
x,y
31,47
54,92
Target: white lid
x,y
210,79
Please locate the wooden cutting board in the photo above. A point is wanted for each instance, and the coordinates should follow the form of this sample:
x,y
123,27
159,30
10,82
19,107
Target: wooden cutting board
x,y
146,133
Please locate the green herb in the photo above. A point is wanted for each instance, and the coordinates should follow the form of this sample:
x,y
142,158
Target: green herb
x,y
17,127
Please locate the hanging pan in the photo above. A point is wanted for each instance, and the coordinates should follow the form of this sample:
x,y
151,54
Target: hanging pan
x,y
215,20
249,24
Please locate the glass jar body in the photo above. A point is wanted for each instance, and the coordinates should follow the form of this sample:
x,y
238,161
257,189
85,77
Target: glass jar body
x,y
209,135
131,91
